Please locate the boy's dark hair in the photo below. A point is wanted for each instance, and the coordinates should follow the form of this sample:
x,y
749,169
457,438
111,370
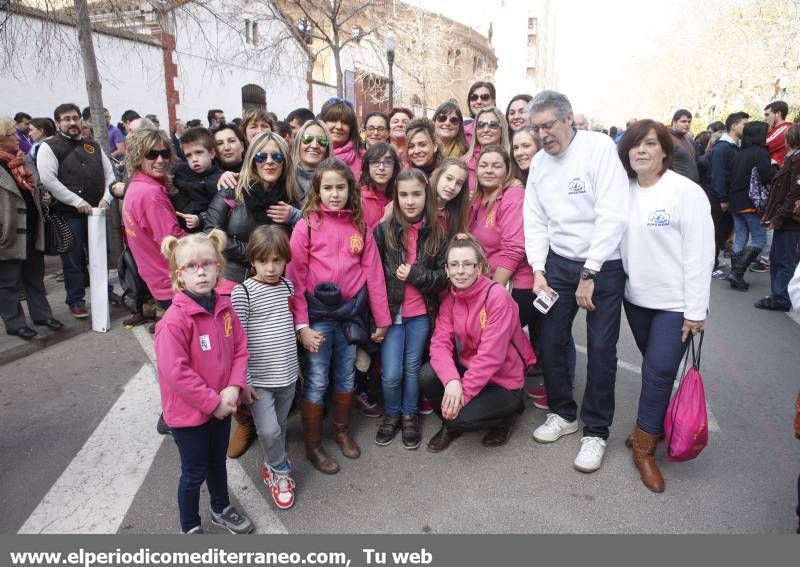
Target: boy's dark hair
x,y
193,123
283,128
64,108
201,136
716,126
129,115
211,114
302,115
266,240
680,113
734,119
86,113
20,116
778,106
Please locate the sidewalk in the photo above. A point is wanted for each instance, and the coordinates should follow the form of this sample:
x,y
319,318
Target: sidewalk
x,y
13,348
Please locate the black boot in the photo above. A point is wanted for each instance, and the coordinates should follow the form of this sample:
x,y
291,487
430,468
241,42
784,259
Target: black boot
x,y
739,264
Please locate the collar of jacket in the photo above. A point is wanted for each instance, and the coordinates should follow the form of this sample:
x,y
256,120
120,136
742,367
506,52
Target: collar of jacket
x,y
474,292
190,307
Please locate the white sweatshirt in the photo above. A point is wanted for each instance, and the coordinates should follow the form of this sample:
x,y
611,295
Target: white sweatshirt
x,y
794,289
576,203
668,250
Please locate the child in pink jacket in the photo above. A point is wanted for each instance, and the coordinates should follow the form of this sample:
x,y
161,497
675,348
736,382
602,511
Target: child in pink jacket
x,y
201,353
479,353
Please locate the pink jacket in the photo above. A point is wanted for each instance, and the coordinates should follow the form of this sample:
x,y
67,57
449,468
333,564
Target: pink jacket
x,y
351,157
493,344
337,253
148,216
500,232
472,163
198,354
373,203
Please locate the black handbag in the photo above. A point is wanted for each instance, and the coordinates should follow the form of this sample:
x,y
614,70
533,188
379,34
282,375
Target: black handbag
x,y
57,235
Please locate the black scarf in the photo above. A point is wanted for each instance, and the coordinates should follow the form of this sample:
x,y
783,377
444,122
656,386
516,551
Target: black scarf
x,y
258,201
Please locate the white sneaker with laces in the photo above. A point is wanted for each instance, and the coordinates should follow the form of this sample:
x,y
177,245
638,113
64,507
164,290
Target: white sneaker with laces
x,y
590,457
554,428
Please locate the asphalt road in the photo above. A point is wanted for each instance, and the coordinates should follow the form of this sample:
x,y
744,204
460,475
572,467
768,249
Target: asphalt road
x,y
80,452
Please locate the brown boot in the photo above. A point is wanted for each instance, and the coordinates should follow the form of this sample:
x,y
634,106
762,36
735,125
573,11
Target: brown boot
x,y
629,440
244,435
442,439
312,415
342,403
644,450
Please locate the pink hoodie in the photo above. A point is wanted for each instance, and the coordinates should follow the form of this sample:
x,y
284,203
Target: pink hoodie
x,y
148,216
487,333
198,354
373,203
339,254
500,232
351,157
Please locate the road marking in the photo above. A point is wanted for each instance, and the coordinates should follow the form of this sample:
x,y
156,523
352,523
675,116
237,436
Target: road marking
x,y
794,316
95,491
620,363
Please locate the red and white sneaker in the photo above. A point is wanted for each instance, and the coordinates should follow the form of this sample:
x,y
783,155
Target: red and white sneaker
x,y
281,487
541,403
425,407
537,392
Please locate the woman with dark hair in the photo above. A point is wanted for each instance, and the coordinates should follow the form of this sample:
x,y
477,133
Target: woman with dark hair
x,y
41,128
340,118
398,120
380,166
422,147
449,183
517,112
784,254
481,94
449,125
254,122
375,129
231,145
667,253
750,163
524,146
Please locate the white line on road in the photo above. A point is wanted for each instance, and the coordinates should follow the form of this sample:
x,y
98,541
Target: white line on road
x,y
794,316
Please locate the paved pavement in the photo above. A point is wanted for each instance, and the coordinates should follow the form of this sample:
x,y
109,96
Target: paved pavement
x,y
80,452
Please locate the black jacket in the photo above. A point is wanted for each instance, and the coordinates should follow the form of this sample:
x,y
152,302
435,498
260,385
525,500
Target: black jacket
x,y
195,190
238,221
427,274
785,191
743,163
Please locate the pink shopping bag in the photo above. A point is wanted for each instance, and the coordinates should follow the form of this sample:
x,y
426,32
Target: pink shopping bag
x,y
686,422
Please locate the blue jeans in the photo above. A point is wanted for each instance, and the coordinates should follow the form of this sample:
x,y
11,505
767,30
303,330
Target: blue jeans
x,y
658,337
783,258
74,260
401,355
602,329
747,226
335,353
203,451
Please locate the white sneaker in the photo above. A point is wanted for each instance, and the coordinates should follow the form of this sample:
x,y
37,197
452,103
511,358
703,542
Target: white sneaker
x,y
590,457
554,428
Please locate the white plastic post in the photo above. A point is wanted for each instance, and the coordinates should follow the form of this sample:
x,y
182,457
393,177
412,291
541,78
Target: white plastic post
x,y
98,271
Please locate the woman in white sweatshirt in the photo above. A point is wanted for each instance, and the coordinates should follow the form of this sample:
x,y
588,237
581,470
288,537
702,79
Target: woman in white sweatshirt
x,y
668,254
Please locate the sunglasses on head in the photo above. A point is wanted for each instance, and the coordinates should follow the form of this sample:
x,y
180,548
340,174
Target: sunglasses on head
x,y
441,118
321,140
337,100
277,157
154,154
485,97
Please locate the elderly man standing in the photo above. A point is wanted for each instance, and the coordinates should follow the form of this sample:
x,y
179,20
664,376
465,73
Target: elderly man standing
x,y
576,210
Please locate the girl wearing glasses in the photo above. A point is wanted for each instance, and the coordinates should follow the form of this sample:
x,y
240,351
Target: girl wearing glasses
x,y
490,128
202,355
312,145
379,169
340,118
478,353
481,94
423,147
264,195
450,130
375,129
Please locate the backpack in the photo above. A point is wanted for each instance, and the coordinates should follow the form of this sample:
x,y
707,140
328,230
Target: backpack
x,y
758,192
135,291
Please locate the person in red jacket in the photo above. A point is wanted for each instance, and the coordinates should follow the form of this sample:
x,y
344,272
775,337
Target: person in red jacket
x,y
201,353
479,353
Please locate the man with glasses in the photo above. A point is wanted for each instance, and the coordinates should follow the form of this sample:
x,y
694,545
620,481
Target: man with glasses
x,y
79,176
576,210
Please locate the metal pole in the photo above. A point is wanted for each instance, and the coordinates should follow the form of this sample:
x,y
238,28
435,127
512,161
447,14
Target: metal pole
x,y
390,57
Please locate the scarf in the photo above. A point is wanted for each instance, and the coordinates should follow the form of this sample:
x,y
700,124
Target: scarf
x,y
16,163
257,201
347,153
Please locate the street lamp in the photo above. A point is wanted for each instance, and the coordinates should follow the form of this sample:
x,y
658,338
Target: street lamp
x,y
390,43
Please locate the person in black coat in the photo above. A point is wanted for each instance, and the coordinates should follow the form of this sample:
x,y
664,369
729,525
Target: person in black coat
x,y
195,179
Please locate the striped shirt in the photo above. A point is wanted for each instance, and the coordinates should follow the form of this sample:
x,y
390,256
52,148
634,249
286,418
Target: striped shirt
x,y
264,312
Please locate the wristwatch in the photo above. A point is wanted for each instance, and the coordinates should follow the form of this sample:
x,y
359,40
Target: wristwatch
x,y
587,274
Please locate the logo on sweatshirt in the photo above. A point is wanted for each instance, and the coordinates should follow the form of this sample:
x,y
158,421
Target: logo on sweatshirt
x,y
205,343
228,323
490,219
659,217
356,244
483,317
577,186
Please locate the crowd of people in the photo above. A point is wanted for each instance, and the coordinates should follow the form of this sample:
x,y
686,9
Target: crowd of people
x,y
424,265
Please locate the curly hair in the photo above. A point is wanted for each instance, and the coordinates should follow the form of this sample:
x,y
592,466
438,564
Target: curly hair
x,y
141,142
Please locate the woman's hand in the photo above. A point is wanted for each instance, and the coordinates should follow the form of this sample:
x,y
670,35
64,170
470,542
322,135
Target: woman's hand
x,y
694,327
227,180
192,221
453,400
379,334
280,213
403,271
312,340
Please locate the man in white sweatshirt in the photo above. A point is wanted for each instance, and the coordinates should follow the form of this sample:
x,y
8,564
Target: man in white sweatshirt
x,y
576,210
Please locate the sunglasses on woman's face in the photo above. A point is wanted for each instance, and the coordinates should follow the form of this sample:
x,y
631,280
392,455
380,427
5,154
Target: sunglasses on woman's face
x,y
277,157
155,154
441,118
321,140
485,97
490,124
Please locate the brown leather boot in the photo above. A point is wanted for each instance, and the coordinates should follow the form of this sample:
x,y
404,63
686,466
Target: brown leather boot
x,y
629,440
312,415
644,450
244,435
442,439
342,403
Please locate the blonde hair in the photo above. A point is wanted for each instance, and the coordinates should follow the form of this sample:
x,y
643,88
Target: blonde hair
x,y
141,142
249,174
171,247
503,129
301,132
7,125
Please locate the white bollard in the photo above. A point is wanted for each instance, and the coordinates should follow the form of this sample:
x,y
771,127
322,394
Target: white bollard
x,y
98,271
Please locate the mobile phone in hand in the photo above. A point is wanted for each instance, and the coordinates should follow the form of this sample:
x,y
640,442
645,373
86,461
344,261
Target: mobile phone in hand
x,y
545,300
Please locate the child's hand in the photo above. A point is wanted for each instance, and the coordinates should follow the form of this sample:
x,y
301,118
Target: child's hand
x,y
192,221
250,395
312,340
379,334
227,180
280,213
402,271
387,211
228,398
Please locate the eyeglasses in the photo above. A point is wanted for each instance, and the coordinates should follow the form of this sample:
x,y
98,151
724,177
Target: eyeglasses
x,y
73,118
546,126
485,97
441,118
155,154
321,140
277,157
378,163
490,124
375,129
337,100
467,265
192,267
